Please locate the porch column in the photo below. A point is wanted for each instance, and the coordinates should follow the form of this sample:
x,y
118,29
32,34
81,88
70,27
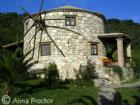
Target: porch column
x,y
120,52
129,50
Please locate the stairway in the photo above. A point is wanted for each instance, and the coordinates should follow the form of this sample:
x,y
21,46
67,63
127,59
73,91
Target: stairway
x,y
108,96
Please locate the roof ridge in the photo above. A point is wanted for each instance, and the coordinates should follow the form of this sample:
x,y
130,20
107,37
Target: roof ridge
x,y
68,6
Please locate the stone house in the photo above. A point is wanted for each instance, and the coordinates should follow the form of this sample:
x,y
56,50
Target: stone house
x,y
81,37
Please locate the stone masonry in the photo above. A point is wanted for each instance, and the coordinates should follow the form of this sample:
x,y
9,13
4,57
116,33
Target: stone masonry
x,y
76,47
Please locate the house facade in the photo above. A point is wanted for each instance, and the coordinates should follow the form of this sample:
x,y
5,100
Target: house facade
x,y
78,35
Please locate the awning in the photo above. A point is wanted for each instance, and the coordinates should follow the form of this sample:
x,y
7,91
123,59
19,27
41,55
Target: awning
x,y
115,35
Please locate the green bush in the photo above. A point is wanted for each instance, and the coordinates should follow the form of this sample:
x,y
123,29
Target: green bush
x,y
86,72
118,70
82,83
52,75
14,72
136,63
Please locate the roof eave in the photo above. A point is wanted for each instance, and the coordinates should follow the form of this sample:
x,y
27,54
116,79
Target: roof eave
x,y
70,10
114,35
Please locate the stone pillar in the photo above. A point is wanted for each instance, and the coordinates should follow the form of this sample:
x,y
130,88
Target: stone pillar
x,y
129,50
120,52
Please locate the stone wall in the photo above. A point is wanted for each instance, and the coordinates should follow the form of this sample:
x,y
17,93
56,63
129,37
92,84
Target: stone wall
x,y
76,47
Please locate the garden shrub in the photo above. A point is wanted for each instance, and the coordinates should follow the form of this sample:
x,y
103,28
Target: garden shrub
x,y
136,63
14,71
86,72
136,71
118,70
52,75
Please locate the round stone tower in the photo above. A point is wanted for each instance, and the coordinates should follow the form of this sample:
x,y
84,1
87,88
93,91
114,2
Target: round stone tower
x,y
75,31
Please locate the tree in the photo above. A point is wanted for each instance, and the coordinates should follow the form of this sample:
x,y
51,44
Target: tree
x,y
13,72
52,75
11,27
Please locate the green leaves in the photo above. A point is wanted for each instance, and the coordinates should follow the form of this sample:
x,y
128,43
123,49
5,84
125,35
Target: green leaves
x,y
86,72
11,27
119,71
52,75
125,26
13,71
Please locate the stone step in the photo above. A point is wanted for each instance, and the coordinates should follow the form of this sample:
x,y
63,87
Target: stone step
x,y
107,96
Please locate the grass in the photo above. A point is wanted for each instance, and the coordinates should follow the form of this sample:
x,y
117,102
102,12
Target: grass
x,y
130,96
70,94
65,96
73,93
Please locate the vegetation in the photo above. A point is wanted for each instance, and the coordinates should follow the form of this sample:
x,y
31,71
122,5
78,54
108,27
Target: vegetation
x,y
129,96
70,95
136,63
14,81
118,70
11,28
86,72
19,86
125,26
52,75
13,72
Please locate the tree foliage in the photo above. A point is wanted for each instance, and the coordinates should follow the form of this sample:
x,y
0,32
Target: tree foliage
x,y
125,26
86,72
13,71
11,27
52,75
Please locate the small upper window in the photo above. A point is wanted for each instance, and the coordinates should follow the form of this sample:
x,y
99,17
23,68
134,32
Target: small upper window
x,y
70,21
94,49
45,49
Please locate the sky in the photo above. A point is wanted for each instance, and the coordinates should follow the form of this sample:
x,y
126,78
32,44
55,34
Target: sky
x,y
120,9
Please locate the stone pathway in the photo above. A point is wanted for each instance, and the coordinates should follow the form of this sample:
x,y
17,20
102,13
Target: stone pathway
x,y
126,85
108,94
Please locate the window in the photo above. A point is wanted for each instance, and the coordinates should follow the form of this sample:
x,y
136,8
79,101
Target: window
x,y
45,49
94,49
70,21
